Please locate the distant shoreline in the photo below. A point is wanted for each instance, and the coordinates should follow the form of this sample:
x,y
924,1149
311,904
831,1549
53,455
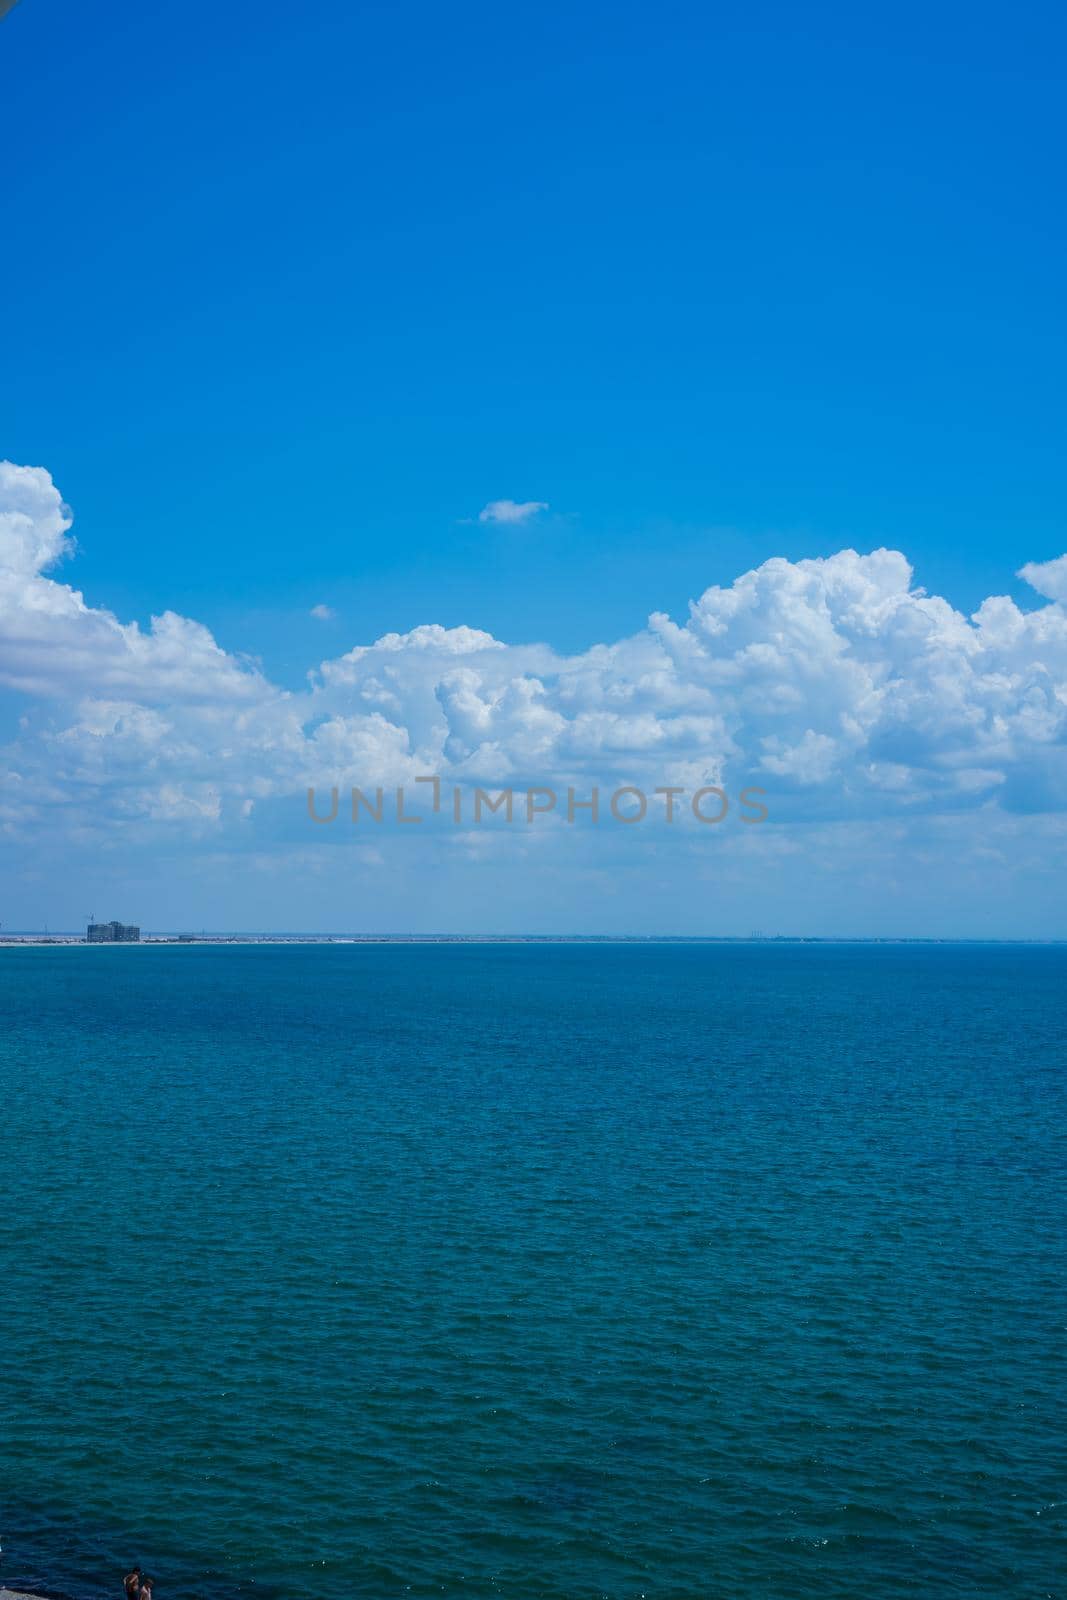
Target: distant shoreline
x,y
184,941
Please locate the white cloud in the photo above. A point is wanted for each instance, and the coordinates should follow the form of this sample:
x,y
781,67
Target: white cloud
x,y
1047,577
835,684
50,640
511,510
33,520
322,613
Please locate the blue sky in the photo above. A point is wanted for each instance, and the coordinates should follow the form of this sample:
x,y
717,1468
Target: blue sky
x,y
293,293
297,289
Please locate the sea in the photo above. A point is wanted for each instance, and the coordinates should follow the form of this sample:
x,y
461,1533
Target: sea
x,y
554,1272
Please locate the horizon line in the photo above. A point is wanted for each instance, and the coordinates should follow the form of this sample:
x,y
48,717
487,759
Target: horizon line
x,y
293,936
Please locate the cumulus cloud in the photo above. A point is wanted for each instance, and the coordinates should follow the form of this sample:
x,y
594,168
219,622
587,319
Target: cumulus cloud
x,y
837,685
51,640
33,520
1047,577
322,613
511,510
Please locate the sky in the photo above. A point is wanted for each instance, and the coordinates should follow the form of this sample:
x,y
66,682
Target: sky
x,y
339,324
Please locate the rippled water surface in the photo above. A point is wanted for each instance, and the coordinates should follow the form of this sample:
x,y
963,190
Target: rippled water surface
x,y
532,1271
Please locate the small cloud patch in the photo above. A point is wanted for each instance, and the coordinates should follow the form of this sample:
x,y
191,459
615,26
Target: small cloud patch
x,y
511,511
1049,578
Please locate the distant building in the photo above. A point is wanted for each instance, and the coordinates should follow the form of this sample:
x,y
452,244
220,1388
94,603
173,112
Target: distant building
x,y
112,933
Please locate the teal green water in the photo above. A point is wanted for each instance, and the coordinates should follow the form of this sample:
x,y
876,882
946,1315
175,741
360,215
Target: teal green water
x,y
534,1271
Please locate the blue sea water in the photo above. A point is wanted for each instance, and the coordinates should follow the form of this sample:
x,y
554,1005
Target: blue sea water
x,y
534,1271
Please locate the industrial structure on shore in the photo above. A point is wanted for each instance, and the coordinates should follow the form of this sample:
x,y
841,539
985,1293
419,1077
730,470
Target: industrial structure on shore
x,y
112,933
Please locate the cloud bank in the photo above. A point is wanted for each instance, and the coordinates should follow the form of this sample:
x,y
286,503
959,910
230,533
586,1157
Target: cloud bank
x,y
836,684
